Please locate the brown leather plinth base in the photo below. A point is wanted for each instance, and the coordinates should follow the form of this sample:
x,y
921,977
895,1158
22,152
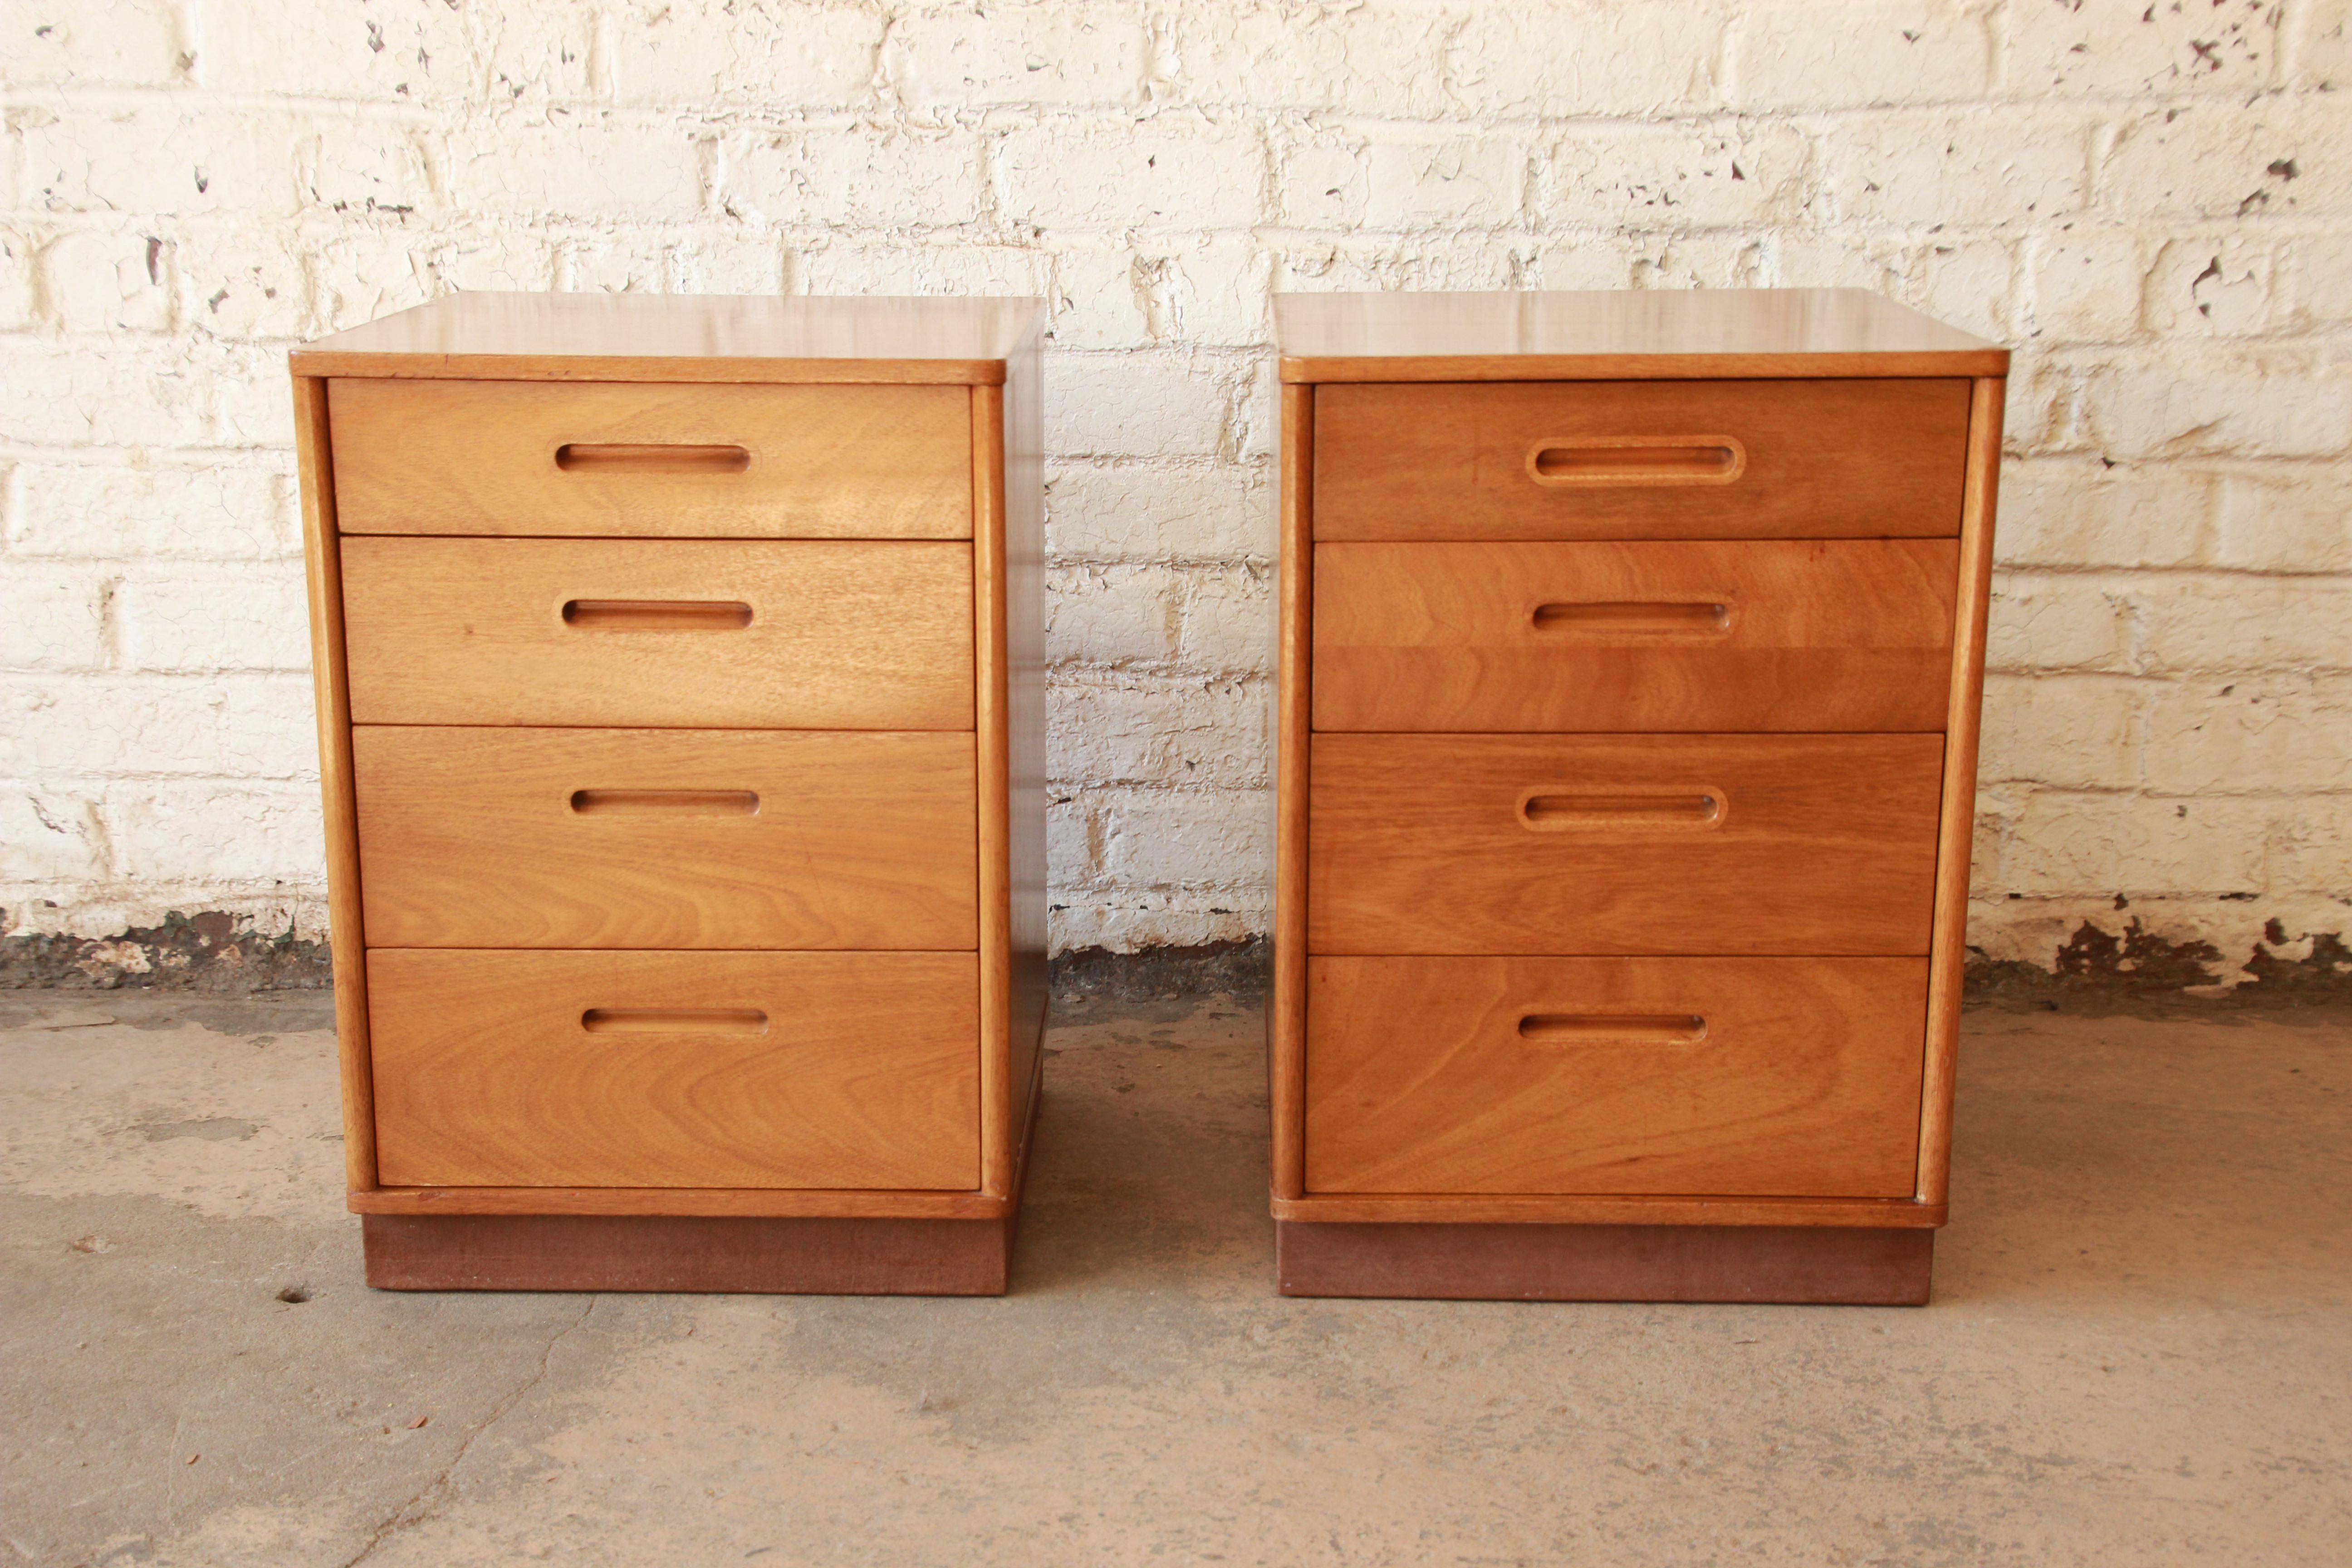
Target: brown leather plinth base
x,y
652,1252
1826,1265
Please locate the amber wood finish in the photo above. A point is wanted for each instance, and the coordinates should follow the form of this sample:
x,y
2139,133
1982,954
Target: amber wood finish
x,y
650,459
860,1071
1813,1266
1820,845
1618,334
1765,635
652,838
987,415
694,338
1286,1000
346,936
841,635
1957,827
1507,1208
1795,1078
1823,460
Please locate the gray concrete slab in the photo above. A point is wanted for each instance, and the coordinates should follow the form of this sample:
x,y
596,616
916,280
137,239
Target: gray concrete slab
x,y
2138,1352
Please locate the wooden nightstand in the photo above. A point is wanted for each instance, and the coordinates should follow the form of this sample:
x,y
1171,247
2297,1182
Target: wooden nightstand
x,y
1632,649
679,681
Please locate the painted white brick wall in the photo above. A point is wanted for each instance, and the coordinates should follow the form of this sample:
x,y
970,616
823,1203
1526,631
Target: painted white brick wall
x,y
2153,204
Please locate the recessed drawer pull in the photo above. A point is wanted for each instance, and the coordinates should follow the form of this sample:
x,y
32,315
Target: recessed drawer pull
x,y
1562,811
665,802
626,457
674,1021
1634,617
1612,1029
657,614
1637,460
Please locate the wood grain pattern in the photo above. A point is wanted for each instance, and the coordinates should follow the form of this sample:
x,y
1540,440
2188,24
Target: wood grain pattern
x,y
1957,826
1286,1000
1606,1263
473,838
1506,1208
1024,714
332,697
1823,844
842,636
1765,635
485,457
1823,460
597,336
987,415
865,1075
1796,1077
1668,333
715,1203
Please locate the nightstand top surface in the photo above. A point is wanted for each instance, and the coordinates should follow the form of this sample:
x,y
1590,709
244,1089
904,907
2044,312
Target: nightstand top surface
x,y
1629,333
685,337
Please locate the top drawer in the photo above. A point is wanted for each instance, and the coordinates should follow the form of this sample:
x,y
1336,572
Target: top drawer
x,y
1641,460
682,460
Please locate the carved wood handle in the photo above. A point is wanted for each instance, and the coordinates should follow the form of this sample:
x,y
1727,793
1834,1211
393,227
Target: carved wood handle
x,y
1637,460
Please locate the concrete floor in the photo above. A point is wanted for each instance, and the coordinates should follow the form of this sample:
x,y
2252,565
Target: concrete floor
x,y
2138,1352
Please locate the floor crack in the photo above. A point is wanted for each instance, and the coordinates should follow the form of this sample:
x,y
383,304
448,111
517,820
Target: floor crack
x,y
414,1511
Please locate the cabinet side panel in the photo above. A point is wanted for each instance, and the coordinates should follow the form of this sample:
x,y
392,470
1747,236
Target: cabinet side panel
x,y
1025,712
995,817
1286,1002
1948,945
323,561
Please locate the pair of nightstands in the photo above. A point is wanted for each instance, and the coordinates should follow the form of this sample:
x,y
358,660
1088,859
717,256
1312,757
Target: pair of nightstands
x,y
680,700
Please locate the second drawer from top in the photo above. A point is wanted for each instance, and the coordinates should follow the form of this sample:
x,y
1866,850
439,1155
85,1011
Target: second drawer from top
x,y
678,634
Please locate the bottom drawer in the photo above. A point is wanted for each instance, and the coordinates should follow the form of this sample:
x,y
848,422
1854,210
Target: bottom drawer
x,y
1731,1076
676,1069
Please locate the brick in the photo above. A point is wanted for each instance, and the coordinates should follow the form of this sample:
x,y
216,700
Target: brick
x,y
2322,32
2086,51
1717,171
1391,182
953,58
253,405
1111,294
359,277
699,51
1956,167
109,281
222,510
1971,284
2195,623
1171,170
2221,160
854,175
96,42
501,257
404,51
1138,405
592,165
2072,731
209,833
545,52
150,156
1215,838
18,253
1111,615
602,261
1139,510
1546,59
1348,263
81,394
883,266
2269,733
200,618
1198,732
2310,849
57,616
2093,844
2040,622
355,164
1130,920
1716,259
731,261
2311,296
2073,511
2254,403
1228,619
1837,57
2086,283
1072,838
242,283
1380,58
1833,261
110,725
50,837
2284,519
2210,287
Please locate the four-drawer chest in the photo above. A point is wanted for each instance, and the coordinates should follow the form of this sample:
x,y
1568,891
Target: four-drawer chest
x,y
678,671
1631,654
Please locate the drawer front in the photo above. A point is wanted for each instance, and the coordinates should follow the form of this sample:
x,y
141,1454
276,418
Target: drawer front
x,y
1785,1077
1747,845
654,458
666,838
659,633
1652,636
1627,460
663,1069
